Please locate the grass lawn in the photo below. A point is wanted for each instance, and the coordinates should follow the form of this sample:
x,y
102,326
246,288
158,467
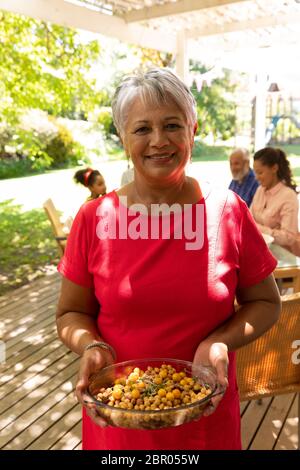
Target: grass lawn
x,y
28,249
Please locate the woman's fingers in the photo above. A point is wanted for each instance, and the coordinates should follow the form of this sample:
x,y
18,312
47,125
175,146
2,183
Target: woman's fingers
x,y
93,414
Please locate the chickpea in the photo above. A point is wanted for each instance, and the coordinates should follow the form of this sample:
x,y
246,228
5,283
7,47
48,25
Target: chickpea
x,y
170,396
135,393
176,393
117,393
176,377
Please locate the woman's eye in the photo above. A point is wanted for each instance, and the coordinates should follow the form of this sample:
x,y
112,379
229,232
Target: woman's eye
x,y
141,130
173,126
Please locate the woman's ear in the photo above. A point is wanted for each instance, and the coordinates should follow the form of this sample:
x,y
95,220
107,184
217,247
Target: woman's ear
x,y
195,128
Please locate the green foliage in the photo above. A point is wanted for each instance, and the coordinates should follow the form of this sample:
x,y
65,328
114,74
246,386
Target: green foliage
x,y
62,149
203,152
27,246
13,168
216,110
36,148
44,66
104,118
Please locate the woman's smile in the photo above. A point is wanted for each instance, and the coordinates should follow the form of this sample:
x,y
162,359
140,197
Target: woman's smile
x,y
161,158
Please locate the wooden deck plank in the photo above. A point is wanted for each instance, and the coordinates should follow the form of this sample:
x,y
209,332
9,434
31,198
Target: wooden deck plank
x,y
49,357
37,342
18,342
26,412
71,440
15,309
66,416
78,447
266,436
32,384
28,315
243,406
288,438
18,368
252,419
49,427
31,296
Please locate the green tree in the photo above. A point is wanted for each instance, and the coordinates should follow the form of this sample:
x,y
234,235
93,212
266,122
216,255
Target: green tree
x,y
44,66
216,109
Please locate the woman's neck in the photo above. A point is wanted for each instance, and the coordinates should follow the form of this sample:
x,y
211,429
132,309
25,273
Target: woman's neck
x,y
181,192
273,184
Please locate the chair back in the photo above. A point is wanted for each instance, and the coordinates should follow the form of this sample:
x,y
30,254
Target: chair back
x,y
270,365
57,225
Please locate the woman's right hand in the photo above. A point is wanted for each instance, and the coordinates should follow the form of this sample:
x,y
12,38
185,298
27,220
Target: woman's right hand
x,y
91,361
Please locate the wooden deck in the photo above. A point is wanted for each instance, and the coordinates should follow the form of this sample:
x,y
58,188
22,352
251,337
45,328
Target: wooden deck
x,y
37,407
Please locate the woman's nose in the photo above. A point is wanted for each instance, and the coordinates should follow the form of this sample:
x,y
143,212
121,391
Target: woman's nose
x,y
159,138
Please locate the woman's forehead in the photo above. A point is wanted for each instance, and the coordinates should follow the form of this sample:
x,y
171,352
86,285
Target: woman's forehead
x,y
143,108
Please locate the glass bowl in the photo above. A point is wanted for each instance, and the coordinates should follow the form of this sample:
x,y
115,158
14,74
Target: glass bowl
x,y
151,419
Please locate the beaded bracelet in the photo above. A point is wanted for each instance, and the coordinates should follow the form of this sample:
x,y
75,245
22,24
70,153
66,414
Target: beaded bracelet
x,y
101,344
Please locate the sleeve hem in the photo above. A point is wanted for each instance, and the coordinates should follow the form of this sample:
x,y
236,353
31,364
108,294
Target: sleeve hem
x,y
265,272
71,276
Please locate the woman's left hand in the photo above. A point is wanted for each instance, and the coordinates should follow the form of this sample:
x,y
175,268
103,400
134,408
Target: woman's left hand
x,y
214,355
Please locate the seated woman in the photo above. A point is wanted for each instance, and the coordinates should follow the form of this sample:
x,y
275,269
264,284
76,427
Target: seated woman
x,y
275,203
93,180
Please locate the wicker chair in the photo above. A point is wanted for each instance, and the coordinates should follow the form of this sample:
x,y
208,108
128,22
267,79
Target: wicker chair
x,y
270,365
59,229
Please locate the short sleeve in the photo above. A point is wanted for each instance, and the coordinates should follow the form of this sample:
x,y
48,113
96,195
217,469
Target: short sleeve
x,y
74,263
256,262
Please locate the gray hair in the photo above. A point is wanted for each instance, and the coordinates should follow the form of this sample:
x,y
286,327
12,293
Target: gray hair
x,y
157,86
243,152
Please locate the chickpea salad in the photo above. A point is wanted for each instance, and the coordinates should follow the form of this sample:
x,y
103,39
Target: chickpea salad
x,y
155,388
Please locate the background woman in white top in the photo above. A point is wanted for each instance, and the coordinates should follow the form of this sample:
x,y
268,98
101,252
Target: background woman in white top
x,y
275,203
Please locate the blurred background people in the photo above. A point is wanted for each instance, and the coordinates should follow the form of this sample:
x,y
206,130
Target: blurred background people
x,y
275,204
93,180
243,178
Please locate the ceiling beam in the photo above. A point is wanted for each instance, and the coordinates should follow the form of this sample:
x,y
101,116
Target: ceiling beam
x,y
235,26
75,16
174,8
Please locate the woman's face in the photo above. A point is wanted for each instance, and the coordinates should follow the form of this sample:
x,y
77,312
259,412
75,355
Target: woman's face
x,y
98,188
158,140
266,175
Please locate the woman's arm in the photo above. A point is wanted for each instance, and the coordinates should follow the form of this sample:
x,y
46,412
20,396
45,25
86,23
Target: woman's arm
x,y
260,309
76,316
76,325
287,233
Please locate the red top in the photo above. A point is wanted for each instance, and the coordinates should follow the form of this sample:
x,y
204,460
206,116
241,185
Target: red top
x,y
159,299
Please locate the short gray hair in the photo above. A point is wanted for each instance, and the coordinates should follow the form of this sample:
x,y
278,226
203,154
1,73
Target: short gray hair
x,y
157,86
243,152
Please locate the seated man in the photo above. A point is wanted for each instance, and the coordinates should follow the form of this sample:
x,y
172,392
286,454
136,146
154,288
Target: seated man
x,y
243,178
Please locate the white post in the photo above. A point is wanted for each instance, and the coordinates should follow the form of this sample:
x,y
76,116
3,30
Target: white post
x,y
260,111
182,58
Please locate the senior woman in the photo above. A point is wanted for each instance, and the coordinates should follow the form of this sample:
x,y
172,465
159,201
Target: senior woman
x,y
130,292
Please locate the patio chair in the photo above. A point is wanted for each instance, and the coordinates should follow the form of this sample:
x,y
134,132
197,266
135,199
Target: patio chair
x,y
270,365
60,230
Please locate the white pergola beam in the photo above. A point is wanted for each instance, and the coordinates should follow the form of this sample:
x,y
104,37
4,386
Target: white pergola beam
x,y
75,16
260,111
235,26
176,8
182,58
